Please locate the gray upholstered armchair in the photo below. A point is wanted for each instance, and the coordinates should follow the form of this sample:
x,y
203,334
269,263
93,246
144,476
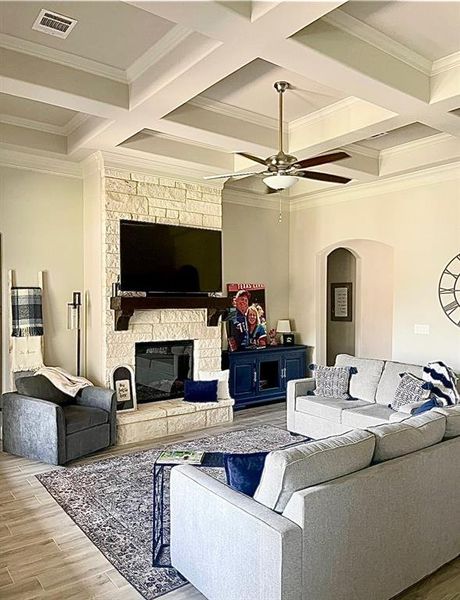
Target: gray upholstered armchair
x,y
59,429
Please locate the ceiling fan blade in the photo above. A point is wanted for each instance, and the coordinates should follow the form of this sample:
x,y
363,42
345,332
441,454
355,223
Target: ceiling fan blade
x,y
321,176
320,160
232,175
256,159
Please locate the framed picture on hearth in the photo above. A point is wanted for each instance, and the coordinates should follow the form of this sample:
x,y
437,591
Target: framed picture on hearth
x,y
341,302
123,382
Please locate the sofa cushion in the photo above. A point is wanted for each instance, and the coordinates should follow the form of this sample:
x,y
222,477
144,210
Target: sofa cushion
x,y
200,391
223,390
390,379
243,471
326,408
333,382
363,385
410,389
452,414
78,418
367,416
312,463
415,433
39,386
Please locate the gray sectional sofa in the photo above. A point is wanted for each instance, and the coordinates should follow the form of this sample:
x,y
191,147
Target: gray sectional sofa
x,y
373,386
359,516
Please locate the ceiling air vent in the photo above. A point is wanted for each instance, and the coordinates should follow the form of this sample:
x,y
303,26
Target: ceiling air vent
x,y
53,23
379,135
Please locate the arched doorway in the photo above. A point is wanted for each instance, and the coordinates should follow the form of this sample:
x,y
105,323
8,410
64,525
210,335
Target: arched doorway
x,y
340,309
372,298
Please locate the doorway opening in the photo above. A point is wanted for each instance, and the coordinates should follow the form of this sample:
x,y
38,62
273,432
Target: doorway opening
x,y
341,305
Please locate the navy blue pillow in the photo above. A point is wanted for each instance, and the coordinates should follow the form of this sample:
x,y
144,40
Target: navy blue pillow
x,y
200,391
428,405
244,471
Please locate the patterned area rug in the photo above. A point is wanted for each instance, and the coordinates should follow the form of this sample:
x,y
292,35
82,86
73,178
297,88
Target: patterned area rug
x,y
111,501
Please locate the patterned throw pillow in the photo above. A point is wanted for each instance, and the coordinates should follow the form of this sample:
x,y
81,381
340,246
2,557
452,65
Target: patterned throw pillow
x,y
333,382
410,389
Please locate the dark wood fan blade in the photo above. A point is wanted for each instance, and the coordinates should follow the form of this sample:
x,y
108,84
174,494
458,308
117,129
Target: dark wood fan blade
x,y
252,157
320,160
322,176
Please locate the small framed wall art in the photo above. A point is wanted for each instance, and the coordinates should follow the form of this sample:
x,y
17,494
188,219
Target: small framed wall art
x,y
123,382
341,302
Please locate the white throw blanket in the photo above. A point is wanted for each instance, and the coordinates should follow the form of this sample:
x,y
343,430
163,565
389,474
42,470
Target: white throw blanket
x,y
26,353
64,381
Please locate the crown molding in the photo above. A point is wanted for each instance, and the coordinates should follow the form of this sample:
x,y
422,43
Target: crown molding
x,y
180,140
227,110
61,57
379,40
155,53
452,61
128,159
379,186
11,156
63,130
357,148
75,122
317,115
31,124
248,198
438,138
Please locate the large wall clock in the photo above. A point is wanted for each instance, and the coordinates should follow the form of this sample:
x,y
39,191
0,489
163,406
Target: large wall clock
x,y
449,290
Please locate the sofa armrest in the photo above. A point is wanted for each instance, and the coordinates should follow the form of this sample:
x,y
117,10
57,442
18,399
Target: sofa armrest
x,y
103,398
297,387
33,428
230,546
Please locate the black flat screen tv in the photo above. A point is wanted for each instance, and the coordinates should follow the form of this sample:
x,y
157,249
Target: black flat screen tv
x,y
170,259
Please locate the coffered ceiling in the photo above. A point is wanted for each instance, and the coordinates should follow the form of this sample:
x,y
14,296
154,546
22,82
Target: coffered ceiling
x,y
189,83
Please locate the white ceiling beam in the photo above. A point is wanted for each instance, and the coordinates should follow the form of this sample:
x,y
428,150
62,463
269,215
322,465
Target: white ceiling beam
x,y
163,145
306,60
32,138
162,92
347,121
182,86
420,154
38,79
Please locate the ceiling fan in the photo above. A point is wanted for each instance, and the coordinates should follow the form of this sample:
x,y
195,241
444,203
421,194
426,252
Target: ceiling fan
x,y
284,170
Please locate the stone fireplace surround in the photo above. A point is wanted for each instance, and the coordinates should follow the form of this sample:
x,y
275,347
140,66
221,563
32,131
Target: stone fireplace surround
x,y
146,197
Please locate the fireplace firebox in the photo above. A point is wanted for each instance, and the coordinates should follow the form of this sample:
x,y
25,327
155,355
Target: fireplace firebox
x,y
161,369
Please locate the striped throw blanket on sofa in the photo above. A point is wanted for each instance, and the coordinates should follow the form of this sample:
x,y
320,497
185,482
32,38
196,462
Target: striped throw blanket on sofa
x,y
444,382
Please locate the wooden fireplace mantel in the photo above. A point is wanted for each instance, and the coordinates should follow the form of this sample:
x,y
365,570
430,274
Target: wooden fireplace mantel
x,y
124,306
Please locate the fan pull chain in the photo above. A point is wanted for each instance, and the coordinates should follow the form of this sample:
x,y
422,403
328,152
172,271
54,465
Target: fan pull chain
x,y
280,216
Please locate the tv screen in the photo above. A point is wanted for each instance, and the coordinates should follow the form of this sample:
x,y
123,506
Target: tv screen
x,y
168,258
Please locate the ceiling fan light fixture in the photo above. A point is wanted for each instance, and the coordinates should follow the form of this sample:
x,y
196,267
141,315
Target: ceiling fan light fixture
x,y
280,182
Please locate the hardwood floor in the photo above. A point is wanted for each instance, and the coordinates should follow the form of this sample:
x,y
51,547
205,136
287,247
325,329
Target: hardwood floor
x,y
44,555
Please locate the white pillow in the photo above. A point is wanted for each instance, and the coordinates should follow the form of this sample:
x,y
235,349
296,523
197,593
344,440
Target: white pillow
x,y
223,391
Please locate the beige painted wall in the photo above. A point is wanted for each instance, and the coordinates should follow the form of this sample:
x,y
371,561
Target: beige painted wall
x,y
256,250
415,219
41,224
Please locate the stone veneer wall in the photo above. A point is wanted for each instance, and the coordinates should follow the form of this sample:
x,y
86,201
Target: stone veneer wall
x,y
145,197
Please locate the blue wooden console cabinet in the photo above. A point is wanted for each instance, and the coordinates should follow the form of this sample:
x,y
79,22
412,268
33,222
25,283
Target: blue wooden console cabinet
x,y
261,375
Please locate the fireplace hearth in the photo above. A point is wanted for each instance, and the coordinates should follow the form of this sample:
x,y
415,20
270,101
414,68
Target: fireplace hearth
x,y
161,369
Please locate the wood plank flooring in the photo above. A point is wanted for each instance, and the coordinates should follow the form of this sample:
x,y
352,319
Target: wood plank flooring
x,y
44,555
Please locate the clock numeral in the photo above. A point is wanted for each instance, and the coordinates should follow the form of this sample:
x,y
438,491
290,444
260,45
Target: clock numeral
x,y
447,272
449,308
447,290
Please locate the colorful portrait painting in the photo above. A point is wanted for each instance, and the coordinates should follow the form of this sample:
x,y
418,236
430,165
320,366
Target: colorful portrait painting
x,y
247,320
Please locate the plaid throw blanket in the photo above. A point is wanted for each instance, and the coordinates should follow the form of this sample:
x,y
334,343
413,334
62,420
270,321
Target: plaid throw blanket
x,y
26,307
